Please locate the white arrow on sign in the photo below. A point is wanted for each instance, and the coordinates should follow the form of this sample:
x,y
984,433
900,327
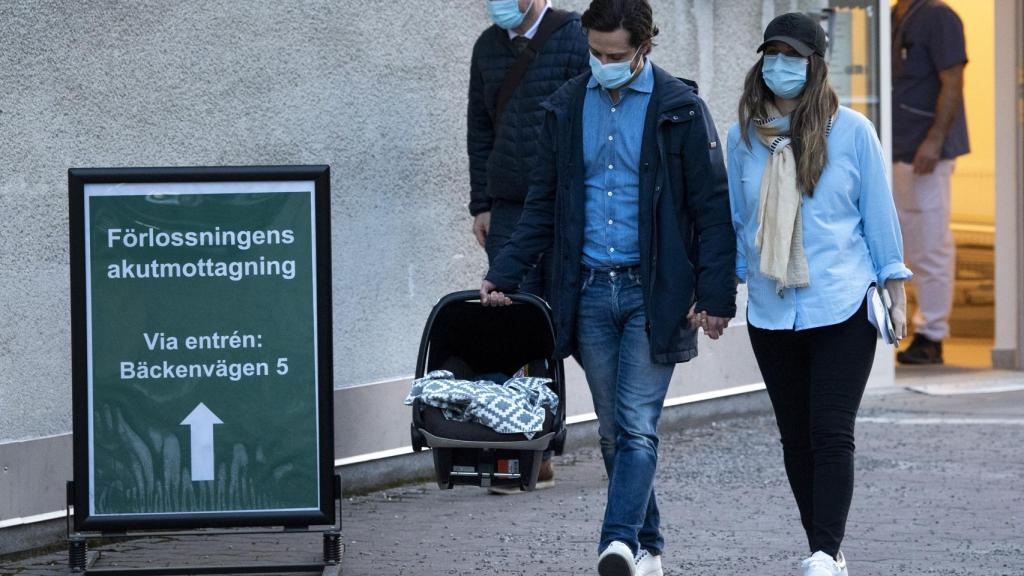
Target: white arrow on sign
x,y
201,421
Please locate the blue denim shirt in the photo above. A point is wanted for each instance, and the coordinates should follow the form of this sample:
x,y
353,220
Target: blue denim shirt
x,y
612,134
851,231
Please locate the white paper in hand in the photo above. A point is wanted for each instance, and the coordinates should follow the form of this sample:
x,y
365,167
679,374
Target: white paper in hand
x,y
878,316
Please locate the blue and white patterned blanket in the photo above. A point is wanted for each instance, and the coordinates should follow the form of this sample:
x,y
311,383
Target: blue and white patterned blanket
x,y
516,407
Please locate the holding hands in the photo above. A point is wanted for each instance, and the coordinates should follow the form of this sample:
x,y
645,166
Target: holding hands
x,y
713,326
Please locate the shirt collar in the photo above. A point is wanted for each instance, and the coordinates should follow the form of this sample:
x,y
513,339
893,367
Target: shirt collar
x,y
643,83
533,29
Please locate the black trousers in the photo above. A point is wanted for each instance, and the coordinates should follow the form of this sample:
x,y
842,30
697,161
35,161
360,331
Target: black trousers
x,y
816,379
504,217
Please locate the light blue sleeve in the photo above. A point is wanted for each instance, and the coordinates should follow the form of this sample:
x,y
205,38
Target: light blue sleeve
x,y
735,174
877,208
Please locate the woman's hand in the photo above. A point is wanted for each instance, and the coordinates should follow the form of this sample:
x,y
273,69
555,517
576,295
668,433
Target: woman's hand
x,y
489,295
899,307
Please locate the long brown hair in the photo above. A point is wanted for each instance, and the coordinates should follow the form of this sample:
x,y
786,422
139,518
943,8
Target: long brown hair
x,y
809,123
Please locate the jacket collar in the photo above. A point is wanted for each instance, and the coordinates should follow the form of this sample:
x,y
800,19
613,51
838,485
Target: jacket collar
x,y
504,38
673,92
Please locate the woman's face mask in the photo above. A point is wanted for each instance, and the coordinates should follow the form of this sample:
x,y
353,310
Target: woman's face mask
x,y
506,14
785,76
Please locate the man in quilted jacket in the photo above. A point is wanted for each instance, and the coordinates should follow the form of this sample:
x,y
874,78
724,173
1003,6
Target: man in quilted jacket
x,y
502,150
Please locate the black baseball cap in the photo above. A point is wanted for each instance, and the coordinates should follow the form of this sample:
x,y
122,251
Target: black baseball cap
x,y
797,30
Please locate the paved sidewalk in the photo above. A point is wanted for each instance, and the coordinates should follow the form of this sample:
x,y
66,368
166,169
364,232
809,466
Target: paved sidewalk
x,y
939,491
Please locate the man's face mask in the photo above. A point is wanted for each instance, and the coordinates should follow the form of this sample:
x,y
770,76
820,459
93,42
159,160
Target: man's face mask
x,y
614,74
506,14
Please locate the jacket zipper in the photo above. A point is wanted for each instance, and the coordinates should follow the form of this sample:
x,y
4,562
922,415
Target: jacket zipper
x,y
664,119
654,203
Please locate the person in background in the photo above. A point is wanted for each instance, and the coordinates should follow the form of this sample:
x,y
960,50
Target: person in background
x,y
502,144
630,190
816,227
929,132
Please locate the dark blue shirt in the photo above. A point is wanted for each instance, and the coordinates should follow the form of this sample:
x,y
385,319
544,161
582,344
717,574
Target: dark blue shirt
x,y
612,135
928,39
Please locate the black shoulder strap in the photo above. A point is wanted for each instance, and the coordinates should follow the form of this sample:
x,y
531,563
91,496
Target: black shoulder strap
x,y
550,22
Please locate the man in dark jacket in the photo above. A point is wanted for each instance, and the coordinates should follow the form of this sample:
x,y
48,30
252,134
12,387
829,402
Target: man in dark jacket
x,y
631,187
502,151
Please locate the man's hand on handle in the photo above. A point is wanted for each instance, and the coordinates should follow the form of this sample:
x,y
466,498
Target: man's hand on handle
x,y
713,326
482,227
489,295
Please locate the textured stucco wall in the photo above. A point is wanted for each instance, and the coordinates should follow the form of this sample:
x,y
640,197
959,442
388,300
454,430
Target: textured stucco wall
x,y
374,88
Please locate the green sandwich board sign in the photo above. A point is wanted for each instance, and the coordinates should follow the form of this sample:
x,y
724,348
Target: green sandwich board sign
x,y
201,319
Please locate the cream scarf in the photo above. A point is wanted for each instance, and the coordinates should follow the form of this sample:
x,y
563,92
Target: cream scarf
x,y
779,223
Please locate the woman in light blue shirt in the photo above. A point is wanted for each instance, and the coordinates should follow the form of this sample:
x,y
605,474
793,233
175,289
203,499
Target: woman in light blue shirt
x,y
816,227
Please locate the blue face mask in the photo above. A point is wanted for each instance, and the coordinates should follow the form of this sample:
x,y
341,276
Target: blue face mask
x,y
506,14
785,75
612,75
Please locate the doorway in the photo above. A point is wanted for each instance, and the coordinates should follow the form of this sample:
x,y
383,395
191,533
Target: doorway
x,y
973,212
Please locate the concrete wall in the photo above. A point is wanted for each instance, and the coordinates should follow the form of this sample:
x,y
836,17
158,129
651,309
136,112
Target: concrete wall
x,y
374,88
363,86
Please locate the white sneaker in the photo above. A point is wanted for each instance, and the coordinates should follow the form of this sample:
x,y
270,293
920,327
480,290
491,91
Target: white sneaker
x,y
616,560
821,564
648,564
841,563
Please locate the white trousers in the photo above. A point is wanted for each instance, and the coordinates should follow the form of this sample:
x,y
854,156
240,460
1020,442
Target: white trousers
x,y
923,203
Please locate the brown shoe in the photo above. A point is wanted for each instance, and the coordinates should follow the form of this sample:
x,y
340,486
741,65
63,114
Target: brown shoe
x,y
546,475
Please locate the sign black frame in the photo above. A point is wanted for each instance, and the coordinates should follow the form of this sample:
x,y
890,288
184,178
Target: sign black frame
x,y
321,177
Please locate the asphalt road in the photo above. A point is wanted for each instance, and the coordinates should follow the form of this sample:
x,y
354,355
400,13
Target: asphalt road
x,y
939,490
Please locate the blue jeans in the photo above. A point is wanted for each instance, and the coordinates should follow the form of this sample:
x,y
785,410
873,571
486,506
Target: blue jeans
x,y
628,391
